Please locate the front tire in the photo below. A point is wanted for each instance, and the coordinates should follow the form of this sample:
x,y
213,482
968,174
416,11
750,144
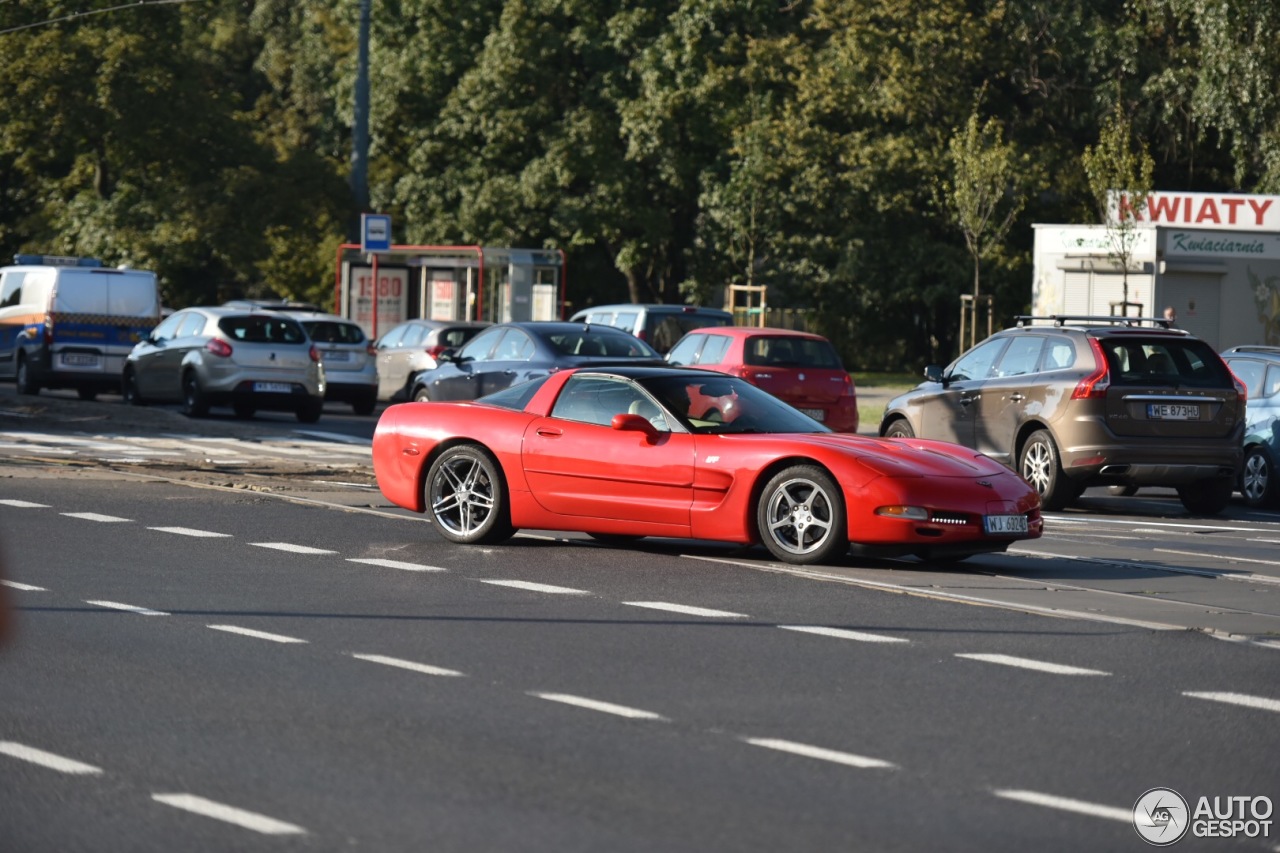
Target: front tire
x,y
801,516
420,395
467,497
1208,497
1040,465
900,429
129,389
1258,478
195,404
23,379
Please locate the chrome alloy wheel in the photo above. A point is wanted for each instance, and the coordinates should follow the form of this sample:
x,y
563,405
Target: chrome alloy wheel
x,y
1037,466
463,495
799,518
1255,477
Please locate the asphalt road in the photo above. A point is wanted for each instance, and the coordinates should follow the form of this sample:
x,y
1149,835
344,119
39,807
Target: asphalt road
x,y
261,654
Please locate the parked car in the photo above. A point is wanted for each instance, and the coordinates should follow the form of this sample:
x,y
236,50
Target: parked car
x,y
70,322
618,453
349,359
273,305
1071,402
511,353
798,368
658,325
412,347
237,357
1258,367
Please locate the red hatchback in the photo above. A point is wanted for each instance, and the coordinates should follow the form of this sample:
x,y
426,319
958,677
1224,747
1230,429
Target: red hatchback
x,y
798,368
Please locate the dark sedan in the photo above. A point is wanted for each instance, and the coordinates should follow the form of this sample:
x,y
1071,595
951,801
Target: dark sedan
x,y
511,353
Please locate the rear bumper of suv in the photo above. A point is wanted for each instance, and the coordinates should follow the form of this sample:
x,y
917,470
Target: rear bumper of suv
x,y
1115,460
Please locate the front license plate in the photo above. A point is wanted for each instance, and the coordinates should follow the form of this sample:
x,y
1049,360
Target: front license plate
x,y
816,414
337,355
273,387
1004,525
1172,412
80,359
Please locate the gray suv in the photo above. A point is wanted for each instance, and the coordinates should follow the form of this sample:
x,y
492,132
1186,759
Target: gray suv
x,y
1070,402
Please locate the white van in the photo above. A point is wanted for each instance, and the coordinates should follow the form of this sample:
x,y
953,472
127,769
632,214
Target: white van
x,y
658,325
70,322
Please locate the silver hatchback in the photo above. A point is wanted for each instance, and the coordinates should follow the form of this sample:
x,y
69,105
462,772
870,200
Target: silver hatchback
x,y
245,359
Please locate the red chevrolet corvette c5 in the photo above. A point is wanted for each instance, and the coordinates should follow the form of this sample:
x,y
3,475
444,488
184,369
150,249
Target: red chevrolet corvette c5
x,y
626,452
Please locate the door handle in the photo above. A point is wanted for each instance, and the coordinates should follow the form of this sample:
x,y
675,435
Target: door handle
x,y
550,432
1017,398
968,401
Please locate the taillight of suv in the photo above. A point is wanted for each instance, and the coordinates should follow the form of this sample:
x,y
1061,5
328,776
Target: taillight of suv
x,y
1094,386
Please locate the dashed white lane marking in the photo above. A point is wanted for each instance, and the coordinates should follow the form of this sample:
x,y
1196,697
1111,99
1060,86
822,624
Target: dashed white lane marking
x,y
191,531
603,707
425,669
130,608
1067,804
686,610
295,549
25,587
261,635
846,758
536,587
23,504
94,516
1028,663
843,634
1242,699
46,759
395,564
230,814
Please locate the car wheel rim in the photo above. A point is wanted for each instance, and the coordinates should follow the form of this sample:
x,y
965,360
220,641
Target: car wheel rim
x,y
1035,466
1254,477
462,495
799,516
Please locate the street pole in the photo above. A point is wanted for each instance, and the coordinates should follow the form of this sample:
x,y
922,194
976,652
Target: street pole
x,y
360,129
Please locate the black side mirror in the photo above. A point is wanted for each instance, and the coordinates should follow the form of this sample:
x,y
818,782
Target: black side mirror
x,y
933,373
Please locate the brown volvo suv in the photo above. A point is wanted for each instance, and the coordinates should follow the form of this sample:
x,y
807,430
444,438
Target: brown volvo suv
x,y
1070,402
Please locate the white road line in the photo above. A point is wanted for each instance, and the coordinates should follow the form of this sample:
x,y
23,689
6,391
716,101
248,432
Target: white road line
x,y
230,814
395,564
23,504
261,635
295,549
130,608
93,516
25,587
46,759
1219,557
846,758
1242,699
685,609
536,587
843,634
603,707
1067,804
425,669
190,531
1161,524
1028,663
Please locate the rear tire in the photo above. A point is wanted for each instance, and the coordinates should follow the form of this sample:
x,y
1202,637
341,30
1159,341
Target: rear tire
x,y
1208,497
310,412
365,406
195,404
87,393
801,516
244,411
466,496
23,379
1258,478
899,429
1041,466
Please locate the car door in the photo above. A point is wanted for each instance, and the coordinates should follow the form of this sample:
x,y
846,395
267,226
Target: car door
x,y
145,360
577,464
461,378
510,363
395,351
1012,394
167,369
948,412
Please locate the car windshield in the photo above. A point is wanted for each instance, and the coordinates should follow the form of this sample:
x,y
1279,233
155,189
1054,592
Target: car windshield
x,y
727,405
591,342
516,397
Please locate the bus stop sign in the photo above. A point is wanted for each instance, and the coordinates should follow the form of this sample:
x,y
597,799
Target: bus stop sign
x,y
375,232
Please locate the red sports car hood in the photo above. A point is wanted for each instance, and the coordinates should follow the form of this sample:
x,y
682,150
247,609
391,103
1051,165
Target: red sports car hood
x,y
912,457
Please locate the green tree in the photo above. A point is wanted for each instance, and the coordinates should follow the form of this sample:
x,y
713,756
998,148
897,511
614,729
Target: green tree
x,y
1120,175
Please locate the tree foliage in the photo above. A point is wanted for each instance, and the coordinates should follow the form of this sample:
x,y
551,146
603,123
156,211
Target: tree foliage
x,y
670,147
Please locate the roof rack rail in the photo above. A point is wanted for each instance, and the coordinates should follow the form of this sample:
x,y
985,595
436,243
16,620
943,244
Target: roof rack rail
x,y
1253,348
1110,319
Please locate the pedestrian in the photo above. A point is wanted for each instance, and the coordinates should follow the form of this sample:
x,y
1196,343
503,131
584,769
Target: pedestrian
x,y
1171,316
